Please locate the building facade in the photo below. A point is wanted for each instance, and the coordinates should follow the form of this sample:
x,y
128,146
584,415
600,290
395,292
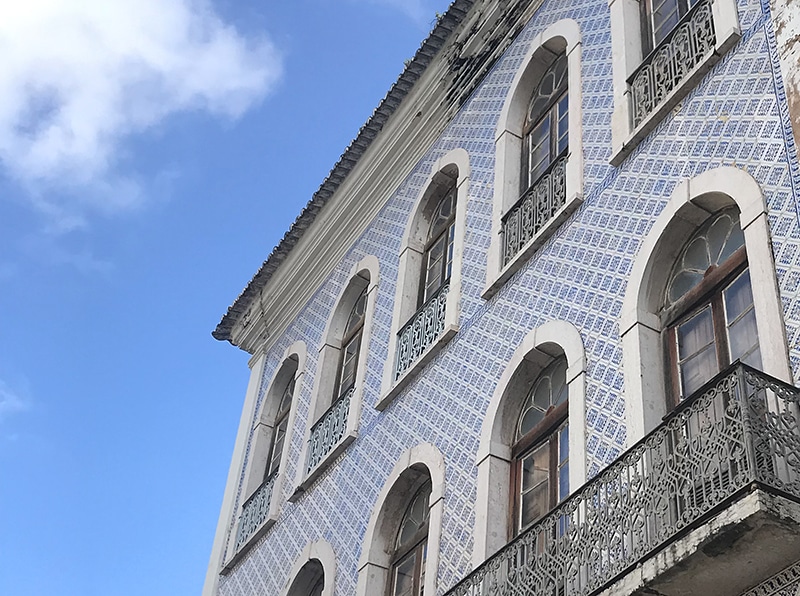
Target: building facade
x,y
538,332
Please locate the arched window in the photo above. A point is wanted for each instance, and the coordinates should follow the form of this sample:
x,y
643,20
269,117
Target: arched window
x,y
532,451
427,294
335,407
702,294
438,257
662,49
400,553
351,346
708,306
279,431
540,474
538,180
313,572
262,480
411,546
546,126
310,581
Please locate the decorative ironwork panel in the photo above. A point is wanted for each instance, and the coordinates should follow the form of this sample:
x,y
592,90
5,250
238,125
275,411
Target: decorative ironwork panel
x,y
785,583
328,431
255,512
421,331
669,64
741,429
537,206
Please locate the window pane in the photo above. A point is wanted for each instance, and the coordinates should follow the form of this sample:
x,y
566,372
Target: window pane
x,y
563,124
349,361
534,504
698,369
743,336
277,447
563,482
535,467
738,297
665,16
563,462
695,334
696,256
404,576
539,149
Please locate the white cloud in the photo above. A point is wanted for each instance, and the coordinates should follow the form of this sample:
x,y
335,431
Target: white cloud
x,y
78,78
10,402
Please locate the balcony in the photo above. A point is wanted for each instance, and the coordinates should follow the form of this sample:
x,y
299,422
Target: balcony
x,y
255,512
673,61
707,503
535,209
328,432
421,331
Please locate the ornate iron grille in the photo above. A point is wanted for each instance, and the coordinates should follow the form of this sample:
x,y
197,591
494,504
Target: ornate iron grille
x,y
785,583
740,428
254,512
536,207
328,430
669,64
421,331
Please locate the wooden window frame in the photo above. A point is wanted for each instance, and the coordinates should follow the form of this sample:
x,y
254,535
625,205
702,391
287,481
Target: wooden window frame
x,y
353,335
550,111
448,232
708,292
546,431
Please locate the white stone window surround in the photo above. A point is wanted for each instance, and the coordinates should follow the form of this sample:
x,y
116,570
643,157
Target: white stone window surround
x,y
420,461
692,202
537,349
626,56
292,364
225,535
563,36
451,168
321,552
364,274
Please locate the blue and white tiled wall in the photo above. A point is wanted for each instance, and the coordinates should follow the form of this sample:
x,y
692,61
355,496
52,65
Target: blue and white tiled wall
x,y
736,116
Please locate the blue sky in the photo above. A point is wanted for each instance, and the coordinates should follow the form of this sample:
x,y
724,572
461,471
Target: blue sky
x,y
151,155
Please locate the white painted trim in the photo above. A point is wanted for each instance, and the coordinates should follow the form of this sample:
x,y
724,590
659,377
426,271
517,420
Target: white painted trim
x,y
494,450
373,564
222,536
409,271
365,272
321,551
691,203
561,36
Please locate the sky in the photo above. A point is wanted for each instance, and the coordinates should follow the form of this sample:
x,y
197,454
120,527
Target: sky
x,y
151,155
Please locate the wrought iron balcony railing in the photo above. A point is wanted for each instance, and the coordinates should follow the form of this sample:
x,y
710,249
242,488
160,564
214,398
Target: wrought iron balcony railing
x,y
421,331
328,431
672,60
534,209
741,428
254,512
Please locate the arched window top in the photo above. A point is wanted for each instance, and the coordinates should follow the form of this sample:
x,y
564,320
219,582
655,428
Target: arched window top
x,y
549,391
552,84
444,214
713,244
415,518
356,318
